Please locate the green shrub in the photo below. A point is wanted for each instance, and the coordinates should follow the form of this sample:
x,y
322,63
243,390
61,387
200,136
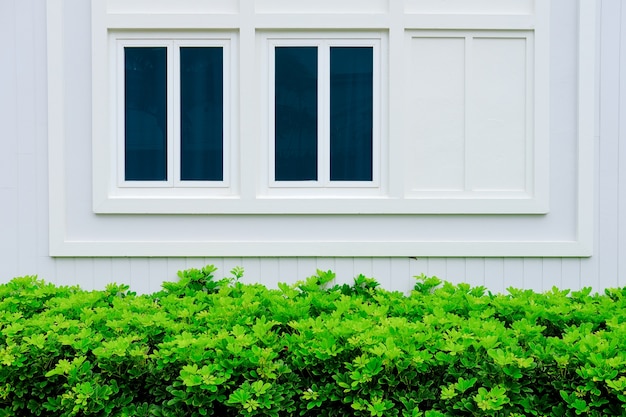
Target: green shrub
x,y
203,347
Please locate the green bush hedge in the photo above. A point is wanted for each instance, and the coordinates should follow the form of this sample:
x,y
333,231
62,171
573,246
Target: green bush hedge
x,y
203,346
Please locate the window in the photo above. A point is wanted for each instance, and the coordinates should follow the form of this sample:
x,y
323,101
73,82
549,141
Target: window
x,y
171,114
323,112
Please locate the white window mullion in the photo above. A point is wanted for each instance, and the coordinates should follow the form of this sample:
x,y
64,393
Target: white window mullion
x,y
271,105
173,119
323,114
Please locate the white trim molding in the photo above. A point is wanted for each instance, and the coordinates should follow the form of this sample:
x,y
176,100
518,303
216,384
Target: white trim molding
x,y
465,211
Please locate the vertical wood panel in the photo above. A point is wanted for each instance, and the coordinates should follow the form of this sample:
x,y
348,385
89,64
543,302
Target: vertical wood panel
x,y
621,248
8,97
438,267
344,268
455,270
120,271
157,273
9,233
270,272
306,267
381,271
552,273
102,272
494,275
533,274
475,271
84,274
401,279
25,62
513,275
65,272
609,143
570,270
27,214
140,275
418,266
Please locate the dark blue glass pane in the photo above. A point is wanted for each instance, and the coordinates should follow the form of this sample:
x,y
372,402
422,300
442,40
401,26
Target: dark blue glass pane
x,y
351,113
145,113
296,113
202,112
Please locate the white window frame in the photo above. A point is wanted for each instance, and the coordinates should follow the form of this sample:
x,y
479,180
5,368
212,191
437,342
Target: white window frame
x,y
323,185
173,152
112,193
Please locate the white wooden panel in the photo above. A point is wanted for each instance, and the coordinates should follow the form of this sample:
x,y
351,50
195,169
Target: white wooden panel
x,y
400,278
25,62
120,271
494,275
157,273
102,272
65,272
570,274
364,266
140,275
455,270
513,273
84,274
26,213
321,6
437,114
168,6
437,267
497,114
418,266
252,270
473,7
9,95
475,271
552,273
45,268
609,143
533,274
381,271
621,258
8,233
344,270
270,272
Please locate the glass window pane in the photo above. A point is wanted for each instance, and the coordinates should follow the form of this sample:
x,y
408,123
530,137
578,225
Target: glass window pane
x,y
202,112
296,113
351,113
145,113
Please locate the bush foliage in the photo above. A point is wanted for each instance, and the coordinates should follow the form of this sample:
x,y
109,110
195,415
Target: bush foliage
x,y
204,346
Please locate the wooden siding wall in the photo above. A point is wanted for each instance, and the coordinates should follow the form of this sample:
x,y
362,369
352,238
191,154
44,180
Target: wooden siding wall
x,y
24,190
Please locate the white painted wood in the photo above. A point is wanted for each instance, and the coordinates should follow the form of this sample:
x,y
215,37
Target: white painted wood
x,y
321,6
500,134
513,273
473,7
10,230
609,142
552,273
533,275
494,275
436,151
169,7
598,271
621,221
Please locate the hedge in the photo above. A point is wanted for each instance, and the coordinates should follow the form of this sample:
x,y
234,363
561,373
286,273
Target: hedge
x,y
204,346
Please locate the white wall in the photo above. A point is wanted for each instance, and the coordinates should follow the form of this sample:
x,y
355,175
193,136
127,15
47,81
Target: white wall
x,y
24,185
